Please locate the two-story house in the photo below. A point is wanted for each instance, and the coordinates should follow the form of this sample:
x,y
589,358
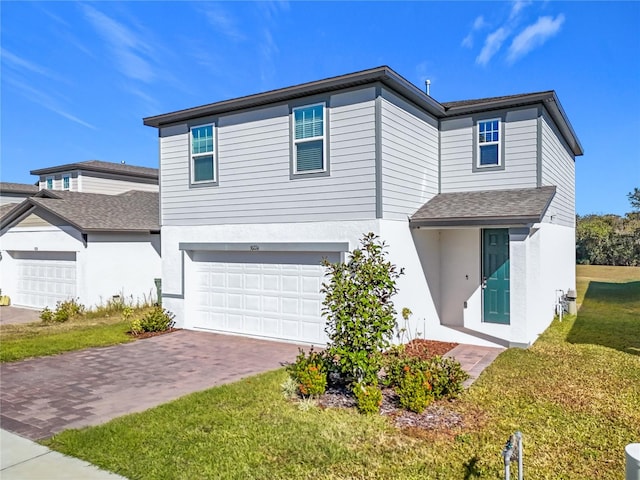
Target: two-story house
x,y
475,200
96,176
91,232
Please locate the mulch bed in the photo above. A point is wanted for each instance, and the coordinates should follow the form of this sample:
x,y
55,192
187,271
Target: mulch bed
x,y
142,335
438,417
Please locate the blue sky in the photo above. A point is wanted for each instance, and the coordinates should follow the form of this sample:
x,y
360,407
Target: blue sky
x,y
78,77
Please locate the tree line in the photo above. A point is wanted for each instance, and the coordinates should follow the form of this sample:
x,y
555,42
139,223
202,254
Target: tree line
x,y
610,239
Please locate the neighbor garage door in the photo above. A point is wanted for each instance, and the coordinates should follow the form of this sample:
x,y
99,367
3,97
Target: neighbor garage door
x,y
267,294
44,278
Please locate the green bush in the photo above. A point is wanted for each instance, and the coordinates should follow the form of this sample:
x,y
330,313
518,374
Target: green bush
x,y
417,382
360,314
448,377
368,397
415,389
310,373
156,320
63,311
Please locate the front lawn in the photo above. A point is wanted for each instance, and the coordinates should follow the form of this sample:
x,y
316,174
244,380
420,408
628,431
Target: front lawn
x,y
574,395
38,339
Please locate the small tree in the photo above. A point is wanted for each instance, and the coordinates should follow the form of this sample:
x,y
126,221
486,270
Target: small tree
x,y
360,314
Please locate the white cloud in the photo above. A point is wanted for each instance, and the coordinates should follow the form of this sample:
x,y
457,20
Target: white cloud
x,y
20,64
131,52
517,7
534,36
492,45
478,24
223,23
45,100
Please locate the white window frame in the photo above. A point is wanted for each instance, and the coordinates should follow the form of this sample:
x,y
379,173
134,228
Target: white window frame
x,y
46,183
296,141
193,156
66,176
480,144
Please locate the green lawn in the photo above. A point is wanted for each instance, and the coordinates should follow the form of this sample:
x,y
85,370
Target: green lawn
x,y
38,339
574,394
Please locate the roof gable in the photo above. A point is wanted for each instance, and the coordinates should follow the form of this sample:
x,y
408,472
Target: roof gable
x,y
133,211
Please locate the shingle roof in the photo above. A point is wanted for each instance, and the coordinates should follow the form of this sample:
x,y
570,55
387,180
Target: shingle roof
x,y
491,100
487,207
8,187
132,211
103,167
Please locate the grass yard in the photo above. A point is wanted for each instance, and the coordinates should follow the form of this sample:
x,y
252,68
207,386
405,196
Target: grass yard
x,y
574,394
38,339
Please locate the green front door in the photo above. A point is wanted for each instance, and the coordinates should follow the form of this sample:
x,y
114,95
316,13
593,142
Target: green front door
x,y
495,275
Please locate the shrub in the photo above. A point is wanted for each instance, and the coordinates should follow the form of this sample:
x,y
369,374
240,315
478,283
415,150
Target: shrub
x,y
359,311
414,388
368,397
310,373
64,311
448,377
156,320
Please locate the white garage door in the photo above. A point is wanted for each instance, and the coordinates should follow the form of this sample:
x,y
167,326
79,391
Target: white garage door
x,y
44,278
268,294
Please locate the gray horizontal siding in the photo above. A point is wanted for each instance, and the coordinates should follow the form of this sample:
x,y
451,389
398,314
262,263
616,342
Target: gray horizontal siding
x,y
253,151
457,156
558,168
409,154
93,182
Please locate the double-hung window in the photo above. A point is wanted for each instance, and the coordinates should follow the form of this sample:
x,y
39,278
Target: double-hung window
x,y
489,143
309,133
202,154
66,182
49,183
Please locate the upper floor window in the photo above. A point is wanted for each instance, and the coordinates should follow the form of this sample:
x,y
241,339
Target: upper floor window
x,y
49,183
489,143
309,154
202,154
66,182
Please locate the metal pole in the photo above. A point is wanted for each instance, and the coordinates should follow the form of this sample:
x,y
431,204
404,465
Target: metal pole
x,y
519,440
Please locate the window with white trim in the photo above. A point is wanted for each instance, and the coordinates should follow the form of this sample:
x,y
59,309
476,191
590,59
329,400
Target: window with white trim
x,y
49,183
309,151
202,154
489,151
66,182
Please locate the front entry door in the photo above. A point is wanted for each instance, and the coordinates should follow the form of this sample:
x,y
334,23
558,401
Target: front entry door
x,y
495,275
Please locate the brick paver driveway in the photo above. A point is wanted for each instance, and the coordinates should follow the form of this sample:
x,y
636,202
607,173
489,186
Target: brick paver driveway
x,y
43,396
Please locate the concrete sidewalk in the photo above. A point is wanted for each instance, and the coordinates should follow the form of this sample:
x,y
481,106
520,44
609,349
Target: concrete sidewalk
x,y
22,459
13,315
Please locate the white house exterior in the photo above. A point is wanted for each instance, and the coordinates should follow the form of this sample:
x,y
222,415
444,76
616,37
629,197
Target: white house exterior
x,y
59,245
475,200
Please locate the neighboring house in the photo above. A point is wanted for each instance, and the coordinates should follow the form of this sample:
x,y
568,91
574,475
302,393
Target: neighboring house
x,y
11,193
95,176
475,200
58,245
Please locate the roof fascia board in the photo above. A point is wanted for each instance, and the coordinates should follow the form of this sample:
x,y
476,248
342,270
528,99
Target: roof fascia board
x,y
17,213
475,222
90,168
380,74
559,116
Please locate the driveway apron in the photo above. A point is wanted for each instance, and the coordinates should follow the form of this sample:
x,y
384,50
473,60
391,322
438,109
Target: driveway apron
x,y
43,396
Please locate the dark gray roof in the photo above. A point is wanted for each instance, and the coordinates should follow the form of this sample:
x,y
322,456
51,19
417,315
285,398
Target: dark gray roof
x,y
19,188
132,211
383,74
487,207
483,102
6,208
102,167
389,79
